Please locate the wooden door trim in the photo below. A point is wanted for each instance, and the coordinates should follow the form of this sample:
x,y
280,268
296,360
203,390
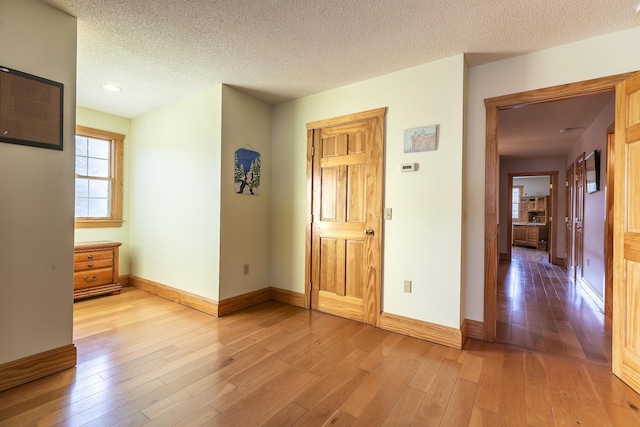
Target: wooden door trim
x,y
492,105
309,221
570,184
311,135
551,213
578,208
341,120
608,228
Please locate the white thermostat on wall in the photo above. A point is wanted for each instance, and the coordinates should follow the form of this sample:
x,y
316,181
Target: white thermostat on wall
x,y
408,167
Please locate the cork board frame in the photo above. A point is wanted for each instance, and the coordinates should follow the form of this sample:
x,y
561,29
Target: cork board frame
x,y
30,110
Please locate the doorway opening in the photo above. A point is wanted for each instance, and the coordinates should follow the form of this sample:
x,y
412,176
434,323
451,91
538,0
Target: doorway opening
x,y
533,203
536,273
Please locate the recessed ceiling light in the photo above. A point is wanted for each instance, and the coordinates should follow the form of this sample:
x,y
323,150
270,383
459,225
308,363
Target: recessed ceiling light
x,y
111,87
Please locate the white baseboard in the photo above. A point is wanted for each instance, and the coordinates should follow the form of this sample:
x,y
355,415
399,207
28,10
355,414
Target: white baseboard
x,y
594,295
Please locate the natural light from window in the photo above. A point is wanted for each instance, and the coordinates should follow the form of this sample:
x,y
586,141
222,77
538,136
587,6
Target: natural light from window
x,y
92,177
515,202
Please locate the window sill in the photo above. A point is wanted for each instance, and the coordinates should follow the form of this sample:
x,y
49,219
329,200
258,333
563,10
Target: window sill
x,y
97,223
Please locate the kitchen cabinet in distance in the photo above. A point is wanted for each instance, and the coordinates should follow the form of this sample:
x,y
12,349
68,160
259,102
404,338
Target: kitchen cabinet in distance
x,y
529,235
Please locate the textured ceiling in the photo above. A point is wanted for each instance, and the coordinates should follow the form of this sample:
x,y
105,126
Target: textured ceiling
x,y
535,130
159,51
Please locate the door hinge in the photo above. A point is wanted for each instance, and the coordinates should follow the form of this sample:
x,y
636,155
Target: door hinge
x,y
551,186
313,150
550,218
566,183
312,218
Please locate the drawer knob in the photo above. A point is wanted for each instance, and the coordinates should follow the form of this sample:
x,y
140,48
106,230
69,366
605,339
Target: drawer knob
x,y
86,279
90,264
90,256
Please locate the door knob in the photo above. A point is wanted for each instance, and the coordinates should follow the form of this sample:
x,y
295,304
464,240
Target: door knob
x,y
368,231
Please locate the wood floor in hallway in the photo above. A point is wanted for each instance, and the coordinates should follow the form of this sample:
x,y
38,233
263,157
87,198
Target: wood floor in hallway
x,y
541,308
143,360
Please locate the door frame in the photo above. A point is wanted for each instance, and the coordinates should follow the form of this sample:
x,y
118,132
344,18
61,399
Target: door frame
x,y
373,317
608,228
579,196
492,178
568,219
551,211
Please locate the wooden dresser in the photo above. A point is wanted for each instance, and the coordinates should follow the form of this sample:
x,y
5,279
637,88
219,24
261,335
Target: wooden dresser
x,y
95,269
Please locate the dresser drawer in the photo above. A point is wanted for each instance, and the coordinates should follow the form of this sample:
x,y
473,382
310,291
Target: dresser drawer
x,y
89,278
92,264
92,256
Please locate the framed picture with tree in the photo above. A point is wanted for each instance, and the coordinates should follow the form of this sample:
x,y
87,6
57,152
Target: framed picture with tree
x,y
247,172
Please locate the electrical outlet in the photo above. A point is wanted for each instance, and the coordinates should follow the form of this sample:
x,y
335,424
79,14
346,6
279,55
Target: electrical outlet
x,y
407,286
245,269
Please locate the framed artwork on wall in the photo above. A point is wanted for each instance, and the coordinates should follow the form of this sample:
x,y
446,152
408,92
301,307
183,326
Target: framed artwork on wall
x,y
30,110
247,172
423,138
592,171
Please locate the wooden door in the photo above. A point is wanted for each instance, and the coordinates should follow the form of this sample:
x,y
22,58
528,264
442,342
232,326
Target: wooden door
x,y
568,219
346,232
626,238
578,212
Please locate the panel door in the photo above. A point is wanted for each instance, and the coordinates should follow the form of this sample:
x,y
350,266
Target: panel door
x,y
347,220
568,219
578,211
626,238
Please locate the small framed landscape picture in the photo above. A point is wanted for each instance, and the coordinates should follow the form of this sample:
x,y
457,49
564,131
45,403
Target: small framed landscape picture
x,y
423,138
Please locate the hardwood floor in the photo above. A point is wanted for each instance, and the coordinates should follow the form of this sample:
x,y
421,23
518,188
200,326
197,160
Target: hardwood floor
x,y
143,360
541,308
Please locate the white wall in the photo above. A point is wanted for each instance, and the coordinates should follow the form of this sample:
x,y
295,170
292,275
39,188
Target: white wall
x,y
36,192
107,122
595,138
174,230
423,241
551,164
534,186
244,219
597,57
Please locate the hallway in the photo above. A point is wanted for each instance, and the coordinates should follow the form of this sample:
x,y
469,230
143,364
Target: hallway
x,y
540,308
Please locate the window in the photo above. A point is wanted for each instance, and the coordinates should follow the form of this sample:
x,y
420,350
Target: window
x,y
98,200
516,193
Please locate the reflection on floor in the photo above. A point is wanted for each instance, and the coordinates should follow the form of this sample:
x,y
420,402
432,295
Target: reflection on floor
x,y
541,308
